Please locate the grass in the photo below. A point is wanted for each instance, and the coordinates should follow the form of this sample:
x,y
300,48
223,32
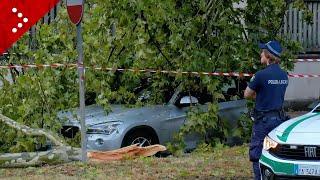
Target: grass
x,y
220,163
205,163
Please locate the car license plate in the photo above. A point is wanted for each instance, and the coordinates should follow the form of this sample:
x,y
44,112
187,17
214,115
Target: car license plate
x,y
307,170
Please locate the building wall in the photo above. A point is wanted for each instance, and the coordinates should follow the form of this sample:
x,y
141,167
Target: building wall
x,y
304,88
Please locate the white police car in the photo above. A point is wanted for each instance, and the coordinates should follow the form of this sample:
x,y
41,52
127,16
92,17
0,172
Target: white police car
x,y
292,150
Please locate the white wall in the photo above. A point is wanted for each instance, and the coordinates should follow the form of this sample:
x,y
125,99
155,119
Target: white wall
x,y
304,88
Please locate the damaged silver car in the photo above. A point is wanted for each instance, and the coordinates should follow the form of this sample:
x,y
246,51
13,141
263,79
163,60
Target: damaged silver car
x,y
153,124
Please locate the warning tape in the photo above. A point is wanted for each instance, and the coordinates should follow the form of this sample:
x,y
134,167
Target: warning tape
x,y
294,60
307,60
72,66
26,66
303,75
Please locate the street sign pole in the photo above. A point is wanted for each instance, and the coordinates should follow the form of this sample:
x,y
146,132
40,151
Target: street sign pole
x,y
81,93
75,10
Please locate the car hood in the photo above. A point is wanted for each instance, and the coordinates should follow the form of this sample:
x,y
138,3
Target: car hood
x,y
304,129
95,114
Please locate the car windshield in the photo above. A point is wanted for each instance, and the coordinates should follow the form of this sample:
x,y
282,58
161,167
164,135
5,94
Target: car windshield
x,y
317,109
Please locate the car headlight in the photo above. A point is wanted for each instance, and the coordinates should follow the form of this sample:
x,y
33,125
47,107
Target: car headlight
x,y
269,143
105,128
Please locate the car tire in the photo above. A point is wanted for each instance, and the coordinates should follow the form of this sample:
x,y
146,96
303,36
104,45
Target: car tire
x,y
141,137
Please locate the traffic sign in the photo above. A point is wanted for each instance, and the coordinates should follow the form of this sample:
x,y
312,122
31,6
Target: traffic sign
x,y
17,17
75,10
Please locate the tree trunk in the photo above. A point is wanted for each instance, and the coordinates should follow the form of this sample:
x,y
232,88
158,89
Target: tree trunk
x,y
32,132
60,153
57,155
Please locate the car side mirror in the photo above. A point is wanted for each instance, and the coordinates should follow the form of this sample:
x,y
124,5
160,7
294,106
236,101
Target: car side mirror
x,y
188,100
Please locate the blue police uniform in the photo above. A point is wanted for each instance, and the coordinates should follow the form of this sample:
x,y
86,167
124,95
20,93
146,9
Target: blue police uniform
x,y
270,85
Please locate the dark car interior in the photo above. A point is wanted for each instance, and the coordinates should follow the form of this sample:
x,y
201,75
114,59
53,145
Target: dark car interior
x,y
235,89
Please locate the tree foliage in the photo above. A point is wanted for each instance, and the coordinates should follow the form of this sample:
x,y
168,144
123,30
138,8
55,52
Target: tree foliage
x,y
182,35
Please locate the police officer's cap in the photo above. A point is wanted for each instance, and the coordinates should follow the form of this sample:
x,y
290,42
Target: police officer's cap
x,y
273,47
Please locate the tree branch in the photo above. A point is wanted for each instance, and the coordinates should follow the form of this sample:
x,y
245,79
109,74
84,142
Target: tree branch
x,y
43,98
276,31
32,132
57,155
155,42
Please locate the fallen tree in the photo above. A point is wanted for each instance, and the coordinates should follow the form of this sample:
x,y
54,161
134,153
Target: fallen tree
x,y
62,153
202,36
57,155
32,132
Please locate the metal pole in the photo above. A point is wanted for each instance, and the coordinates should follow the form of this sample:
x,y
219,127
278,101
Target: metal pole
x,y
81,94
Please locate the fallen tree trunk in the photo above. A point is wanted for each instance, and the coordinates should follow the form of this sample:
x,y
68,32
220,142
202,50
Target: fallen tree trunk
x,y
62,153
32,132
57,155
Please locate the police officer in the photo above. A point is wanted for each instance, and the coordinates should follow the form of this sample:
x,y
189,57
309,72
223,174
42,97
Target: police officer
x,y
267,87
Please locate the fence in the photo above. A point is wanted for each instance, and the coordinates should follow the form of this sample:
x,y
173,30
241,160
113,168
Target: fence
x,y
47,19
308,34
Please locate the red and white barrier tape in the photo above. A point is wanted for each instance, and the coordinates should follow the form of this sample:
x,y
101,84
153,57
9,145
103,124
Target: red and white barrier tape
x,y
307,60
26,66
304,75
71,66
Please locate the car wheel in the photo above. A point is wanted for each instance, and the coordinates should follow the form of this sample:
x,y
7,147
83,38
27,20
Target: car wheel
x,y
266,173
141,138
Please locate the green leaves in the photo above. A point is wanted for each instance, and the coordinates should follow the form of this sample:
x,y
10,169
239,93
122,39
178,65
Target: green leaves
x,y
180,35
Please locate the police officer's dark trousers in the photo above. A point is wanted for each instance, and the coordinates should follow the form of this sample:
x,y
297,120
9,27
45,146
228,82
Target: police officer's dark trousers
x,y
260,130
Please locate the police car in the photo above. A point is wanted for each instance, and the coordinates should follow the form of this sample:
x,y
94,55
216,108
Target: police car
x,y
292,150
